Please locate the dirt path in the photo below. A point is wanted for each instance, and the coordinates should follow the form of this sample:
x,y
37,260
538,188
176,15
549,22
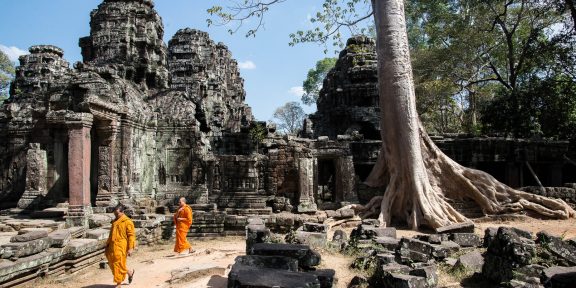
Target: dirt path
x,y
154,264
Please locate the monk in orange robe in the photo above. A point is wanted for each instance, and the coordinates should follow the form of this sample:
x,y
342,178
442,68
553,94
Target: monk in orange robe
x,y
120,244
182,220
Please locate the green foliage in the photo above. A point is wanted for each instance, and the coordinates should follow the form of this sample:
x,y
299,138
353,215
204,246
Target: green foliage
x,y
313,83
290,117
6,75
466,52
331,23
257,132
542,107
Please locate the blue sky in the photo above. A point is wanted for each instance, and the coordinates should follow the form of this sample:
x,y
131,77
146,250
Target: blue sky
x,y
273,71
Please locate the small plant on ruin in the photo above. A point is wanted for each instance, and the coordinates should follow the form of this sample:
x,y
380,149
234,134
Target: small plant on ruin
x,y
257,133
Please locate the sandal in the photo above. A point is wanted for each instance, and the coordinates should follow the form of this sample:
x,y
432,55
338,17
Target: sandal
x,y
131,277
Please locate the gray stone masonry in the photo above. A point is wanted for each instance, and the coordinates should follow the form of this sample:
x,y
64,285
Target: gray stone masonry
x,y
22,249
472,261
466,239
272,262
307,258
29,236
242,276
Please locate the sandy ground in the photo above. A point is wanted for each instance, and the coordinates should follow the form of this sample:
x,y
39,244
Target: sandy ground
x,y
154,264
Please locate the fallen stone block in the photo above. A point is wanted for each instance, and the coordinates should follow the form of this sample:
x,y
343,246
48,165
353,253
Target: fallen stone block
x,y
358,282
345,213
489,235
10,270
194,272
315,227
325,276
430,238
77,248
49,213
388,243
472,261
370,232
27,230
386,258
314,239
428,273
98,234
467,227
271,262
466,239
17,250
29,236
241,276
394,280
306,257
340,236
559,277
451,246
556,245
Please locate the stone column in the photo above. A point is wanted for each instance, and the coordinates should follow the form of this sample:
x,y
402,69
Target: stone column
x,y
79,154
125,171
306,178
106,168
36,176
345,180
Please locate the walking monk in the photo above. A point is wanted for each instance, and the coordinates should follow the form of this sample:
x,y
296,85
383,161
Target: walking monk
x,y
182,220
120,244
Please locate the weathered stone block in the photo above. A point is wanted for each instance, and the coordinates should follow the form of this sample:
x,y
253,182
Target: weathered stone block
x,y
77,248
467,227
428,273
388,243
315,227
241,276
430,238
556,245
466,239
22,249
562,277
386,258
272,262
306,257
472,261
394,280
370,232
29,236
314,239
325,276
98,234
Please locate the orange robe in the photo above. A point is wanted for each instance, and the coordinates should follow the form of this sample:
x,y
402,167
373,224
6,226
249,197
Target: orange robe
x,y
182,227
121,239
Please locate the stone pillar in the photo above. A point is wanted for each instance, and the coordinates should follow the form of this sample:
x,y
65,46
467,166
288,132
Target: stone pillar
x,y
345,178
306,202
106,168
79,153
125,171
36,176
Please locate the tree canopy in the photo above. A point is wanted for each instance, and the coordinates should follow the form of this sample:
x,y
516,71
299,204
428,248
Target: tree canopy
x,y
6,75
290,117
313,83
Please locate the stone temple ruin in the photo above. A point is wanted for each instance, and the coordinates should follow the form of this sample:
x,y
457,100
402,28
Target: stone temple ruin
x,y
142,123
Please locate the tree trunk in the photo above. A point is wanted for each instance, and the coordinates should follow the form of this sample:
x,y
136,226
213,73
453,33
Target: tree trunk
x,y
419,177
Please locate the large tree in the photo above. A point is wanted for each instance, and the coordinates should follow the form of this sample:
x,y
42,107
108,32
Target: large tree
x,y
6,76
315,79
290,117
419,178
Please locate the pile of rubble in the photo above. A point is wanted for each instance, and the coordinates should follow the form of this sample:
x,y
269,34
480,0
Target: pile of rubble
x,y
277,265
505,257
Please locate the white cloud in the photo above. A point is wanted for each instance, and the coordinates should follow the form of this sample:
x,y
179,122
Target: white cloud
x,y
13,52
247,65
297,91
